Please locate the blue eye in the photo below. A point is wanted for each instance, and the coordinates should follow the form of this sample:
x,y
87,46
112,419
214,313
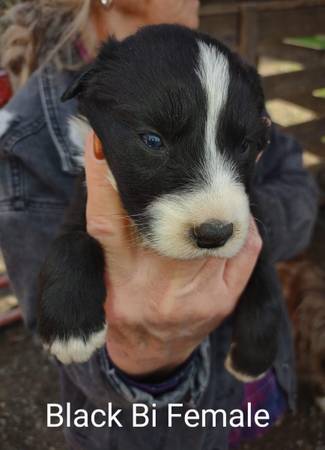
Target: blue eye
x,y
151,140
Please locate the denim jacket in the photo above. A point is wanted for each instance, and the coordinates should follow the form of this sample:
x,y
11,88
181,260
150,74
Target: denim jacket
x,y
38,165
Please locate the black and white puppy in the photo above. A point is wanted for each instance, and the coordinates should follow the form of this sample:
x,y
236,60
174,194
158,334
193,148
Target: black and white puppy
x,y
181,119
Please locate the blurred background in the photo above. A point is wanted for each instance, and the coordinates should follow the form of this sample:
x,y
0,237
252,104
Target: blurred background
x,y
285,39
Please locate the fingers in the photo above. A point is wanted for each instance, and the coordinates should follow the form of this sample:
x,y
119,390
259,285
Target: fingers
x,y
106,219
239,268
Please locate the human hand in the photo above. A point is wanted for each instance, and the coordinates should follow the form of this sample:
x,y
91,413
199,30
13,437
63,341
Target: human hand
x,y
158,309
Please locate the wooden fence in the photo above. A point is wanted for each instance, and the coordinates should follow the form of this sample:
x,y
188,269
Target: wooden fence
x,y
258,28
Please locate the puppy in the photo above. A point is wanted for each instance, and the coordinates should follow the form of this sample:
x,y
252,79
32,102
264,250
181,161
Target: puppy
x,y
181,119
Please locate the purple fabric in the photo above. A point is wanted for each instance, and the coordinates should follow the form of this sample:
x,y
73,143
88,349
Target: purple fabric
x,y
262,394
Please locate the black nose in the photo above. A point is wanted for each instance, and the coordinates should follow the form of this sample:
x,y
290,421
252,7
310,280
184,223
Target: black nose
x,y
212,234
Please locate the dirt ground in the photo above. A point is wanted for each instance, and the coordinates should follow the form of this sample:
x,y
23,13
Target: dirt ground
x,y
28,381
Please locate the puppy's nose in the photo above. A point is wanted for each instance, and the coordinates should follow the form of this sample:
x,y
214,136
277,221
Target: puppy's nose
x,y
212,234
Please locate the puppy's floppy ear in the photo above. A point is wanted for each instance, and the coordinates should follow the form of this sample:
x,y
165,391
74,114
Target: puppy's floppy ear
x,y
267,124
106,54
77,85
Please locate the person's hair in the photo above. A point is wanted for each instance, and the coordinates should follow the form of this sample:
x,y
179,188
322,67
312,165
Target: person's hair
x,y
37,31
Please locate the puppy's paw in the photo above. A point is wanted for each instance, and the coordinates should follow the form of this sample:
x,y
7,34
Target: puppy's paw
x,y
238,372
77,349
71,319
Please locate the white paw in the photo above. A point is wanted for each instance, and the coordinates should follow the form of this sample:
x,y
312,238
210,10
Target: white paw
x,y
76,350
243,377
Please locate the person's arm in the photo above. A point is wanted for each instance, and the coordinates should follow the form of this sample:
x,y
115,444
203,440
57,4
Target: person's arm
x,y
287,196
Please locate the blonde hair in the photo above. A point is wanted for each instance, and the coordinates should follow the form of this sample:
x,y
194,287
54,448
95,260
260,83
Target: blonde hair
x,y
37,31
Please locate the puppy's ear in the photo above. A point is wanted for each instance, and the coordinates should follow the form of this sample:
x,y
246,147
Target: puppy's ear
x,y
77,85
267,125
106,54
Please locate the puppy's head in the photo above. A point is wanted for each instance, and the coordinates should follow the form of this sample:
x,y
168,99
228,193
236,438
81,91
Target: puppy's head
x,y
181,121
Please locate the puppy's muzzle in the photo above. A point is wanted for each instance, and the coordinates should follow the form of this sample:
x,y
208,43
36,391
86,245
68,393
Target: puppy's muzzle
x,y
212,234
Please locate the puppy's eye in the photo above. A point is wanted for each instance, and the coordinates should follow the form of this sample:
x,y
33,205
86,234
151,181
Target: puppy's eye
x,y
244,148
151,140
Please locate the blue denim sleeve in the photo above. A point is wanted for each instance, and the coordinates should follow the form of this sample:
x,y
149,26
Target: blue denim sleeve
x,y
33,196
36,182
287,196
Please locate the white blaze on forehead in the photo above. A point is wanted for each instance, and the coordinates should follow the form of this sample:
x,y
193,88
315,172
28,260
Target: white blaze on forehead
x,y
213,72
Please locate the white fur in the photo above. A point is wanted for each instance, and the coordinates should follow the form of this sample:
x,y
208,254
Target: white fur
x,y
76,350
213,72
219,197
173,217
79,129
111,179
6,119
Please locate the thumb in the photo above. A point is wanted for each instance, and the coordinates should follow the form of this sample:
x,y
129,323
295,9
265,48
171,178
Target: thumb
x,y
107,221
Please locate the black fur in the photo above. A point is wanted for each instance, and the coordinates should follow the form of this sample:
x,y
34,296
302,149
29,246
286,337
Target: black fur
x,y
148,83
